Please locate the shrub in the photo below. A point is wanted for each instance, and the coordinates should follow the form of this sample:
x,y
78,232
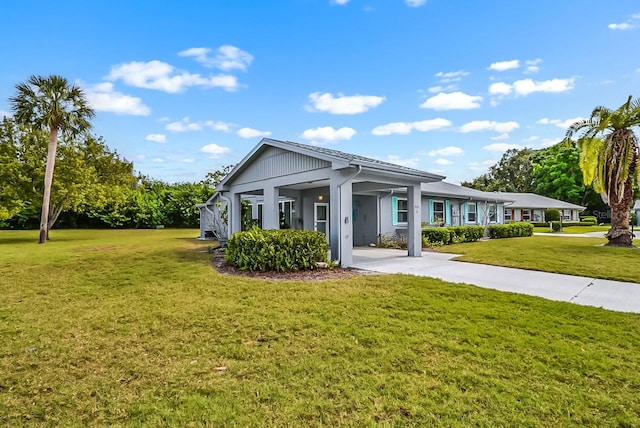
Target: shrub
x,y
556,226
552,214
633,219
276,250
399,242
512,230
540,223
589,219
437,235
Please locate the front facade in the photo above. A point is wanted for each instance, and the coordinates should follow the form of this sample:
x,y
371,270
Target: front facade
x,y
531,207
294,185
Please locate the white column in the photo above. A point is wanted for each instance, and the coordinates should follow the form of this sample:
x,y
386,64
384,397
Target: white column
x,y
234,213
334,216
346,224
414,220
270,213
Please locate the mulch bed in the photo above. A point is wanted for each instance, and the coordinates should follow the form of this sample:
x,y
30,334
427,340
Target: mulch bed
x,y
217,261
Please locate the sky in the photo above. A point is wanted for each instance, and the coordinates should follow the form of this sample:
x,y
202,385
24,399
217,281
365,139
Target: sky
x,y
446,86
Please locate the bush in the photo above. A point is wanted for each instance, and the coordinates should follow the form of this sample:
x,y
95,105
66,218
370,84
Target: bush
x,y
399,242
276,250
540,223
512,230
556,226
633,219
552,214
451,235
589,219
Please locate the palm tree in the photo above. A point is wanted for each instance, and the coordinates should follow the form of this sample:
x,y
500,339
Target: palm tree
x,y
609,160
52,104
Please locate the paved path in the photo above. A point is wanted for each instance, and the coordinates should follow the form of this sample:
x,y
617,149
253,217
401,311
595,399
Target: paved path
x,y
613,295
573,235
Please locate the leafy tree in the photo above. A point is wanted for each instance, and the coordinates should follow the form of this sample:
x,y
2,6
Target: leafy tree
x,y
52,104
511,174
609,160
213,178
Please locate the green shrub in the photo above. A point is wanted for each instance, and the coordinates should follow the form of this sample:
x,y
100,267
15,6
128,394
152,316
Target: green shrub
x,y
552,214
512,230
590,219
276,250
633,219
540,223
451,235
437,235
399,242
556,226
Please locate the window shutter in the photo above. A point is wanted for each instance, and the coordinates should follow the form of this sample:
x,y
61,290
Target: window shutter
x,y
394,210
447,213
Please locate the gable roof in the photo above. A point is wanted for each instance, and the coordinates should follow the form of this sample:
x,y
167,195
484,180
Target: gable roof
x,y
337,158
444,189
531,200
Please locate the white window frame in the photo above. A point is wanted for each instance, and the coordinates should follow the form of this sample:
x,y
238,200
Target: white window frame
x,y
492,211
437,219
402,213
469,212
528,215
507,215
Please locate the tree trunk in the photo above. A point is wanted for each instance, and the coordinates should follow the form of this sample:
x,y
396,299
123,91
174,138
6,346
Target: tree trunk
x,y
48,180
619,235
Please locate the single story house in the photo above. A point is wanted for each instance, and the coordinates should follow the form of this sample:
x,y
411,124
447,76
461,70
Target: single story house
x,y
636,209
531,207
352,199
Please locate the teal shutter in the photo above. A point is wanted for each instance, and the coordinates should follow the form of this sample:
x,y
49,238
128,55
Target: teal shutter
x,y
499,213
394,210
447,213
431,219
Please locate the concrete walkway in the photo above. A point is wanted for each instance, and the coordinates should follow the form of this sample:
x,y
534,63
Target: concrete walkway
x,y
613,295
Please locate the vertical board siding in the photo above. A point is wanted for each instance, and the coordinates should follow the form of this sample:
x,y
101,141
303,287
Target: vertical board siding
x,y
277,162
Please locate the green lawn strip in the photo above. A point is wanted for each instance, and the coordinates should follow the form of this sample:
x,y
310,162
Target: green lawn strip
x,y
135,328
573,230
572,256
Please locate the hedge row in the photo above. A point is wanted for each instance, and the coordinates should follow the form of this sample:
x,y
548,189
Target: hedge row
x,y
565,223
452,235
511,230
276,250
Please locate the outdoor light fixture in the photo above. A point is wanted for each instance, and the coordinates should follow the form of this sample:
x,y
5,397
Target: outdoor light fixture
x,y
320,197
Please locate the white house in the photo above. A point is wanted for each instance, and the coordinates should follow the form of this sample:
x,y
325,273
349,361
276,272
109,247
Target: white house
x,y
531,207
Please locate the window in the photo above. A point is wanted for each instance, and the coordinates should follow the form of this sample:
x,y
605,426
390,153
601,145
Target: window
x,y
403,211
493,214
507,215
566,214
537,215
438,212
471,212
526,215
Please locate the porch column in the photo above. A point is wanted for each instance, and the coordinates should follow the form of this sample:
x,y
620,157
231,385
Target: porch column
x,y
414,220
270,212
346,224
334,216
235,213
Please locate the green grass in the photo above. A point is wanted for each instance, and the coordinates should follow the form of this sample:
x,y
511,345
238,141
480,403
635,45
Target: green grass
x,y
573,229
573,256
130,327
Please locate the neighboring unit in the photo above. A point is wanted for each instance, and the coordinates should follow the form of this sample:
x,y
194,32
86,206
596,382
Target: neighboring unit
x,y
531,207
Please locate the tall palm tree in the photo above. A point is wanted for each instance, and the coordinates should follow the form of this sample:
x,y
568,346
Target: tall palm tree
x,y
51,103
609,160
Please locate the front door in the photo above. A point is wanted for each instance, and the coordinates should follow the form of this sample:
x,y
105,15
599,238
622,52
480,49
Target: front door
x,y
321,218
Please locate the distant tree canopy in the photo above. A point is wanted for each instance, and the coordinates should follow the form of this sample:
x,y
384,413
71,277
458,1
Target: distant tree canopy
x,y
553,172
92,187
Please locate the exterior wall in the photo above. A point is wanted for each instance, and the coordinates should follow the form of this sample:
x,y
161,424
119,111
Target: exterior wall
x,y
365,220
308,199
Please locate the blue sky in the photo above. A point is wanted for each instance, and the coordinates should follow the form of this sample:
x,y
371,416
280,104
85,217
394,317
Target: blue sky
x,y
183,88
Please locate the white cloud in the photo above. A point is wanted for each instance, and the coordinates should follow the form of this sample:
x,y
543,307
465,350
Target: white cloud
x,y
439,88
531,139
227,57
397,160
451,76
500,88
564,124
187,160
504,65
401,128
158,160
548,142
165,77
415,3
102,97
503,136
404,128
215,151
529,86
533,65
327,134
140,157
501,147
442,161
343,104
340,2
185,125
481,166
156,138
447,151
621,26
252,133
486,125
452,101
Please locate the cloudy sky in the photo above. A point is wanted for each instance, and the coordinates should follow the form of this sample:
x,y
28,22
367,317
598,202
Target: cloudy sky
x,y
183,88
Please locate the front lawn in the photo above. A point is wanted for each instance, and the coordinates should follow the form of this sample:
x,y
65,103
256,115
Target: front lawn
x,y
135,328
573,229
573,256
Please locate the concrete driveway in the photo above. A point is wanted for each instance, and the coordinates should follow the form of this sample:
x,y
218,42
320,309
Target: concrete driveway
x,y
613,295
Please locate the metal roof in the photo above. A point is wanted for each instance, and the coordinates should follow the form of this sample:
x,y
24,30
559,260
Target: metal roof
x,y
444,189
531,200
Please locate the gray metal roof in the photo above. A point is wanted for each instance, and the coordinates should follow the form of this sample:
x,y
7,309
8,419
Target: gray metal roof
x,y
350,158
444,189
531,200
